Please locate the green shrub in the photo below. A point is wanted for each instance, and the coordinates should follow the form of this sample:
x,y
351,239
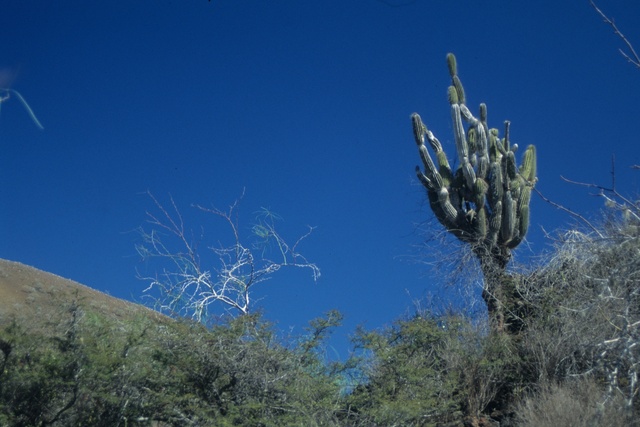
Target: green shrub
x,y
428,370
92,370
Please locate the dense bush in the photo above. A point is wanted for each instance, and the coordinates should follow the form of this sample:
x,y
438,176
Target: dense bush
x,y
584,323
573,360
428,370
101,372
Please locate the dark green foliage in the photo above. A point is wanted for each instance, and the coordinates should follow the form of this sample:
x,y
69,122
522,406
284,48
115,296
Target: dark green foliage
x,y
99,372
574,355
429,370
407,380
39,381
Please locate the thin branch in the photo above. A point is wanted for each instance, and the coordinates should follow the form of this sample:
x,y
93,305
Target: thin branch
x,y
633,58
613,172
23,102
586,184
610,202
569,211
188,289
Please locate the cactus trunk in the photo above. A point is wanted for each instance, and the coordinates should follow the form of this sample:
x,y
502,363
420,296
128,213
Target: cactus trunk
x,y
485,202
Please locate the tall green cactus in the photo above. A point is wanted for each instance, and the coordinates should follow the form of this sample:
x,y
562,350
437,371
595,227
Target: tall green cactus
x,y
485,201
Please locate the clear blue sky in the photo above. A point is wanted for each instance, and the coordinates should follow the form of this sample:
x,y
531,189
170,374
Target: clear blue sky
x,y
306,105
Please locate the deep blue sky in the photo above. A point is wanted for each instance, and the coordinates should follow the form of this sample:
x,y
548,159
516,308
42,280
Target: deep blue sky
x,y
306,105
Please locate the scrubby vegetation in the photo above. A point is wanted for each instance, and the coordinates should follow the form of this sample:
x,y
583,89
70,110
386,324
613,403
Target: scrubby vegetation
x,y
559,344
99,372
574,362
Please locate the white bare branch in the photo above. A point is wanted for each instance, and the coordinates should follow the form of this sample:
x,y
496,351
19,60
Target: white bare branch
x,y
188,289
631,57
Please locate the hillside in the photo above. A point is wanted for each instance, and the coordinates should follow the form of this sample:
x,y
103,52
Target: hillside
x,y
27,293
73,356
70,356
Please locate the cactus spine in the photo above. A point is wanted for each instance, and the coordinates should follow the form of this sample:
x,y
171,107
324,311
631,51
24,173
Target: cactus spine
x,y
485,202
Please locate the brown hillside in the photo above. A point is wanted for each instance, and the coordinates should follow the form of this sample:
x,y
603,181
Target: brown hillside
x,y
36,296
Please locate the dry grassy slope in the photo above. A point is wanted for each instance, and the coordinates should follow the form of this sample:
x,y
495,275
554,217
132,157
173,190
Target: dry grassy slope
x,y
38,297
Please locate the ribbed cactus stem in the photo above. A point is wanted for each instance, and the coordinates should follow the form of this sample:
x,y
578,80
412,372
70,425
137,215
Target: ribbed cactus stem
x,y
452,64
483,112
452,94
496,189
523,225
495,223
423,179
481,224
507,141
419,129
528,167
508,217
525,196
444,168
483,143
449,211
485,202
497,142
432,173
468,117
434,142
458,132
483,153
509,162
459,89
472,139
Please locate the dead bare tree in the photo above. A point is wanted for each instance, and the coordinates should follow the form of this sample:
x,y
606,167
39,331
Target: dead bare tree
x,y
186,288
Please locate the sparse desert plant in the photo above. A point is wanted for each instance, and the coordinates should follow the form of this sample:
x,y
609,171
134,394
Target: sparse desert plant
x,y
90,369
188,288
575,403
585,308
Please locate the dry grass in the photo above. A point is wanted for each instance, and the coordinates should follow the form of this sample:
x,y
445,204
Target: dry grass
x,y
35,297
573,404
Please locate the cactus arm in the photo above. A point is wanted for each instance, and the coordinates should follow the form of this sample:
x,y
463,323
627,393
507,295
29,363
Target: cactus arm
x,y
508,218
432,175
453,72
462,147
441,157
528,167
495,223
449,211
486,201
432,178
